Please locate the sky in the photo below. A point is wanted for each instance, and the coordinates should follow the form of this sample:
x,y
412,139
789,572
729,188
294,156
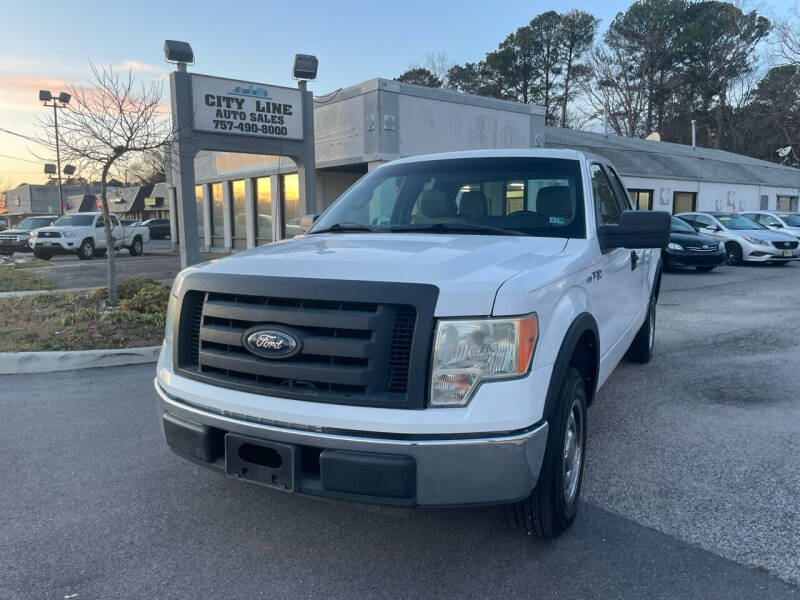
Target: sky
x,y
48,45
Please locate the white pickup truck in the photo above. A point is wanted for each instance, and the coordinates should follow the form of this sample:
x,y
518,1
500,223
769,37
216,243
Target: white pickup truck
x,y
435,338
84,234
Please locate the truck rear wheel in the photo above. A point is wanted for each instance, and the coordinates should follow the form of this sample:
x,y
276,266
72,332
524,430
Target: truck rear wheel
x,y
553,504
86,250
136,248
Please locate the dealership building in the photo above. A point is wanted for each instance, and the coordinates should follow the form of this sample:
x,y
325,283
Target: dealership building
x,y
244,200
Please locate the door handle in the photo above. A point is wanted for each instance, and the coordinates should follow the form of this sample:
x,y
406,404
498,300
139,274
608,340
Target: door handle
x,y
634,259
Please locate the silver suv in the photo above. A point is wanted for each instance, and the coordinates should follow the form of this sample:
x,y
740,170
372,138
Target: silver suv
x,y
777,220
745,240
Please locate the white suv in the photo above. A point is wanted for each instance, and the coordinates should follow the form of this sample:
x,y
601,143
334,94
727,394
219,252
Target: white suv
x,y
434,340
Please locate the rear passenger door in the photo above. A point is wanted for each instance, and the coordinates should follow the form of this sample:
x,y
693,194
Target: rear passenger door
x,y
616,285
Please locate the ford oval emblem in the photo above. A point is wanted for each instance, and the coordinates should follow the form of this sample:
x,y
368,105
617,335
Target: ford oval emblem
x,y
269,342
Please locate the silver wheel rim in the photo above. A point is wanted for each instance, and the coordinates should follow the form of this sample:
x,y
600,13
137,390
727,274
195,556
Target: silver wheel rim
x,y
573,452
87,250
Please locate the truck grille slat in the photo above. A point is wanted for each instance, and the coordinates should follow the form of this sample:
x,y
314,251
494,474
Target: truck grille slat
x,y
352,352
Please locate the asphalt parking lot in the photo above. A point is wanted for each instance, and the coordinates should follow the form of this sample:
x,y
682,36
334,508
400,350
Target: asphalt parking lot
x,y
691,486
68,272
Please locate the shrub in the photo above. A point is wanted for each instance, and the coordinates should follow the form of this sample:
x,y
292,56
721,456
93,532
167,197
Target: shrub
x,y
151,299
126,289
82,315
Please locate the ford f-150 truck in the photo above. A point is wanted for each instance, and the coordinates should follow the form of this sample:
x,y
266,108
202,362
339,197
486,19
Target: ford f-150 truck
x,y
84,234
434,339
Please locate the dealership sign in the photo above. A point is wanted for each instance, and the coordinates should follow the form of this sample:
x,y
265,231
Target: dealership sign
x,y
235,107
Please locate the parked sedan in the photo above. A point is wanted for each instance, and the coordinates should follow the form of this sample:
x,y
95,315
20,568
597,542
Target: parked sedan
x,y
688,248
777,220
159,228
744,239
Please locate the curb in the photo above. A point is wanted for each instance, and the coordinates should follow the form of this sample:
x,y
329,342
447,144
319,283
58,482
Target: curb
x,y
53,291
14,363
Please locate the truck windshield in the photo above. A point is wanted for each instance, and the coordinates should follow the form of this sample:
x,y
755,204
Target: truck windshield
x,y
488,196
75,221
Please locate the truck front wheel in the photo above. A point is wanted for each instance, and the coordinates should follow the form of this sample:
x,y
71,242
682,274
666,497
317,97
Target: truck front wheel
x,y
86,250
552,505
136,248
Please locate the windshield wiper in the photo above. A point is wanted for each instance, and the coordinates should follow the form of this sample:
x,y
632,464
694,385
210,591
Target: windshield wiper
x,y
453,227
344,228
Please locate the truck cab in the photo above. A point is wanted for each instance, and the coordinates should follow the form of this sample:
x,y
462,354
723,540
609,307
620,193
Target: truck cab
x,y
435,339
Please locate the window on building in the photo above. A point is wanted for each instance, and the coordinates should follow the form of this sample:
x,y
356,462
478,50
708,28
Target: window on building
x,y
238,209
787,203
198,197
684,202
290,191
217,217
263,210
642,199
764,205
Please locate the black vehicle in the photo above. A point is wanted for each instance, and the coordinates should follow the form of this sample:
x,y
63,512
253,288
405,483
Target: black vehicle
x,y
159,228
687,248
16,240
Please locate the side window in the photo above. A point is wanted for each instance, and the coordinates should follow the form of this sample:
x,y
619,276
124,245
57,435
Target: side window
x,y
768,220
606,207
114,221
622,194
100,222
703,221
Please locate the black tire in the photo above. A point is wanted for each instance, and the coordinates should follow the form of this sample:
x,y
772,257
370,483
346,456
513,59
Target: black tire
x,y
733,254
42,255
136,248
641,349
553,504
706,269
99,252
86,250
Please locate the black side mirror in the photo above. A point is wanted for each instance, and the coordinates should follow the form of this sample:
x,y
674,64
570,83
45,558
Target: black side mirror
x,y
637,229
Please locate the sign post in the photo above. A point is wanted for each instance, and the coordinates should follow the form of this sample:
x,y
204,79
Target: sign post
x,y
228,115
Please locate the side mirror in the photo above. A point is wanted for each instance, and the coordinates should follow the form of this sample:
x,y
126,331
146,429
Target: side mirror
x,y
637,229
776,225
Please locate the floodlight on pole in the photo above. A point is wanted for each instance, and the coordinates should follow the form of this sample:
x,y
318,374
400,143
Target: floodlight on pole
x,y
59,101
69,169
179,53
49,169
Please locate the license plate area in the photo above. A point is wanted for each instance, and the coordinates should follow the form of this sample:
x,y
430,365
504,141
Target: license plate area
x,y
787,252
271,464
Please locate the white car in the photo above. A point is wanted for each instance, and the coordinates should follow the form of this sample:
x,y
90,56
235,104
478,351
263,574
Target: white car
x,y
84,234
435,338
777,220
744,239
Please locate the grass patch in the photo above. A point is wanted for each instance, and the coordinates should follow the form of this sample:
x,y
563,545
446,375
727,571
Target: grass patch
x,y
68,321
22,262
14,280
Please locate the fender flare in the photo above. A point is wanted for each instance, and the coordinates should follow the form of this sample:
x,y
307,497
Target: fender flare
x,y
583,322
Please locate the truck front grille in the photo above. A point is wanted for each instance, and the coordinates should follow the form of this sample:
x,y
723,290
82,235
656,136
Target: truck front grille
x,y
48,234
355,350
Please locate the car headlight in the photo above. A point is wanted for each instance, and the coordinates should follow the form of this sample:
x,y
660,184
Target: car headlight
x,y
674,246
755,241
468,352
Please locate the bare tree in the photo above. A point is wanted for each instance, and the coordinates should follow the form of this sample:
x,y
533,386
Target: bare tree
x,y
617,90
787,37
116,117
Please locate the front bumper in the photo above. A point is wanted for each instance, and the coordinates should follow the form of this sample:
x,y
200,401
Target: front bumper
x,y
56,245
755,253
442,470
688,258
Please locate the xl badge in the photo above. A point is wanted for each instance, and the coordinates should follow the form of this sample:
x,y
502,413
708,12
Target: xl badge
x,y
271,343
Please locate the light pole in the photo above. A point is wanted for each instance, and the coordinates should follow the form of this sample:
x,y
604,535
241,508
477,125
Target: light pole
x,y
59,101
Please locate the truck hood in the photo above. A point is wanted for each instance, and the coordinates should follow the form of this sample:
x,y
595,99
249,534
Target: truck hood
x,y
467,269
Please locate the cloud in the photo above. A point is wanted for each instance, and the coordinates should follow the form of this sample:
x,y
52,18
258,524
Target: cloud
x,y
138,67
21,93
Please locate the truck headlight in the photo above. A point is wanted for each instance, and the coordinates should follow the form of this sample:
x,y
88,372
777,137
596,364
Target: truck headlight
x,y
467,352
70,233
674,246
